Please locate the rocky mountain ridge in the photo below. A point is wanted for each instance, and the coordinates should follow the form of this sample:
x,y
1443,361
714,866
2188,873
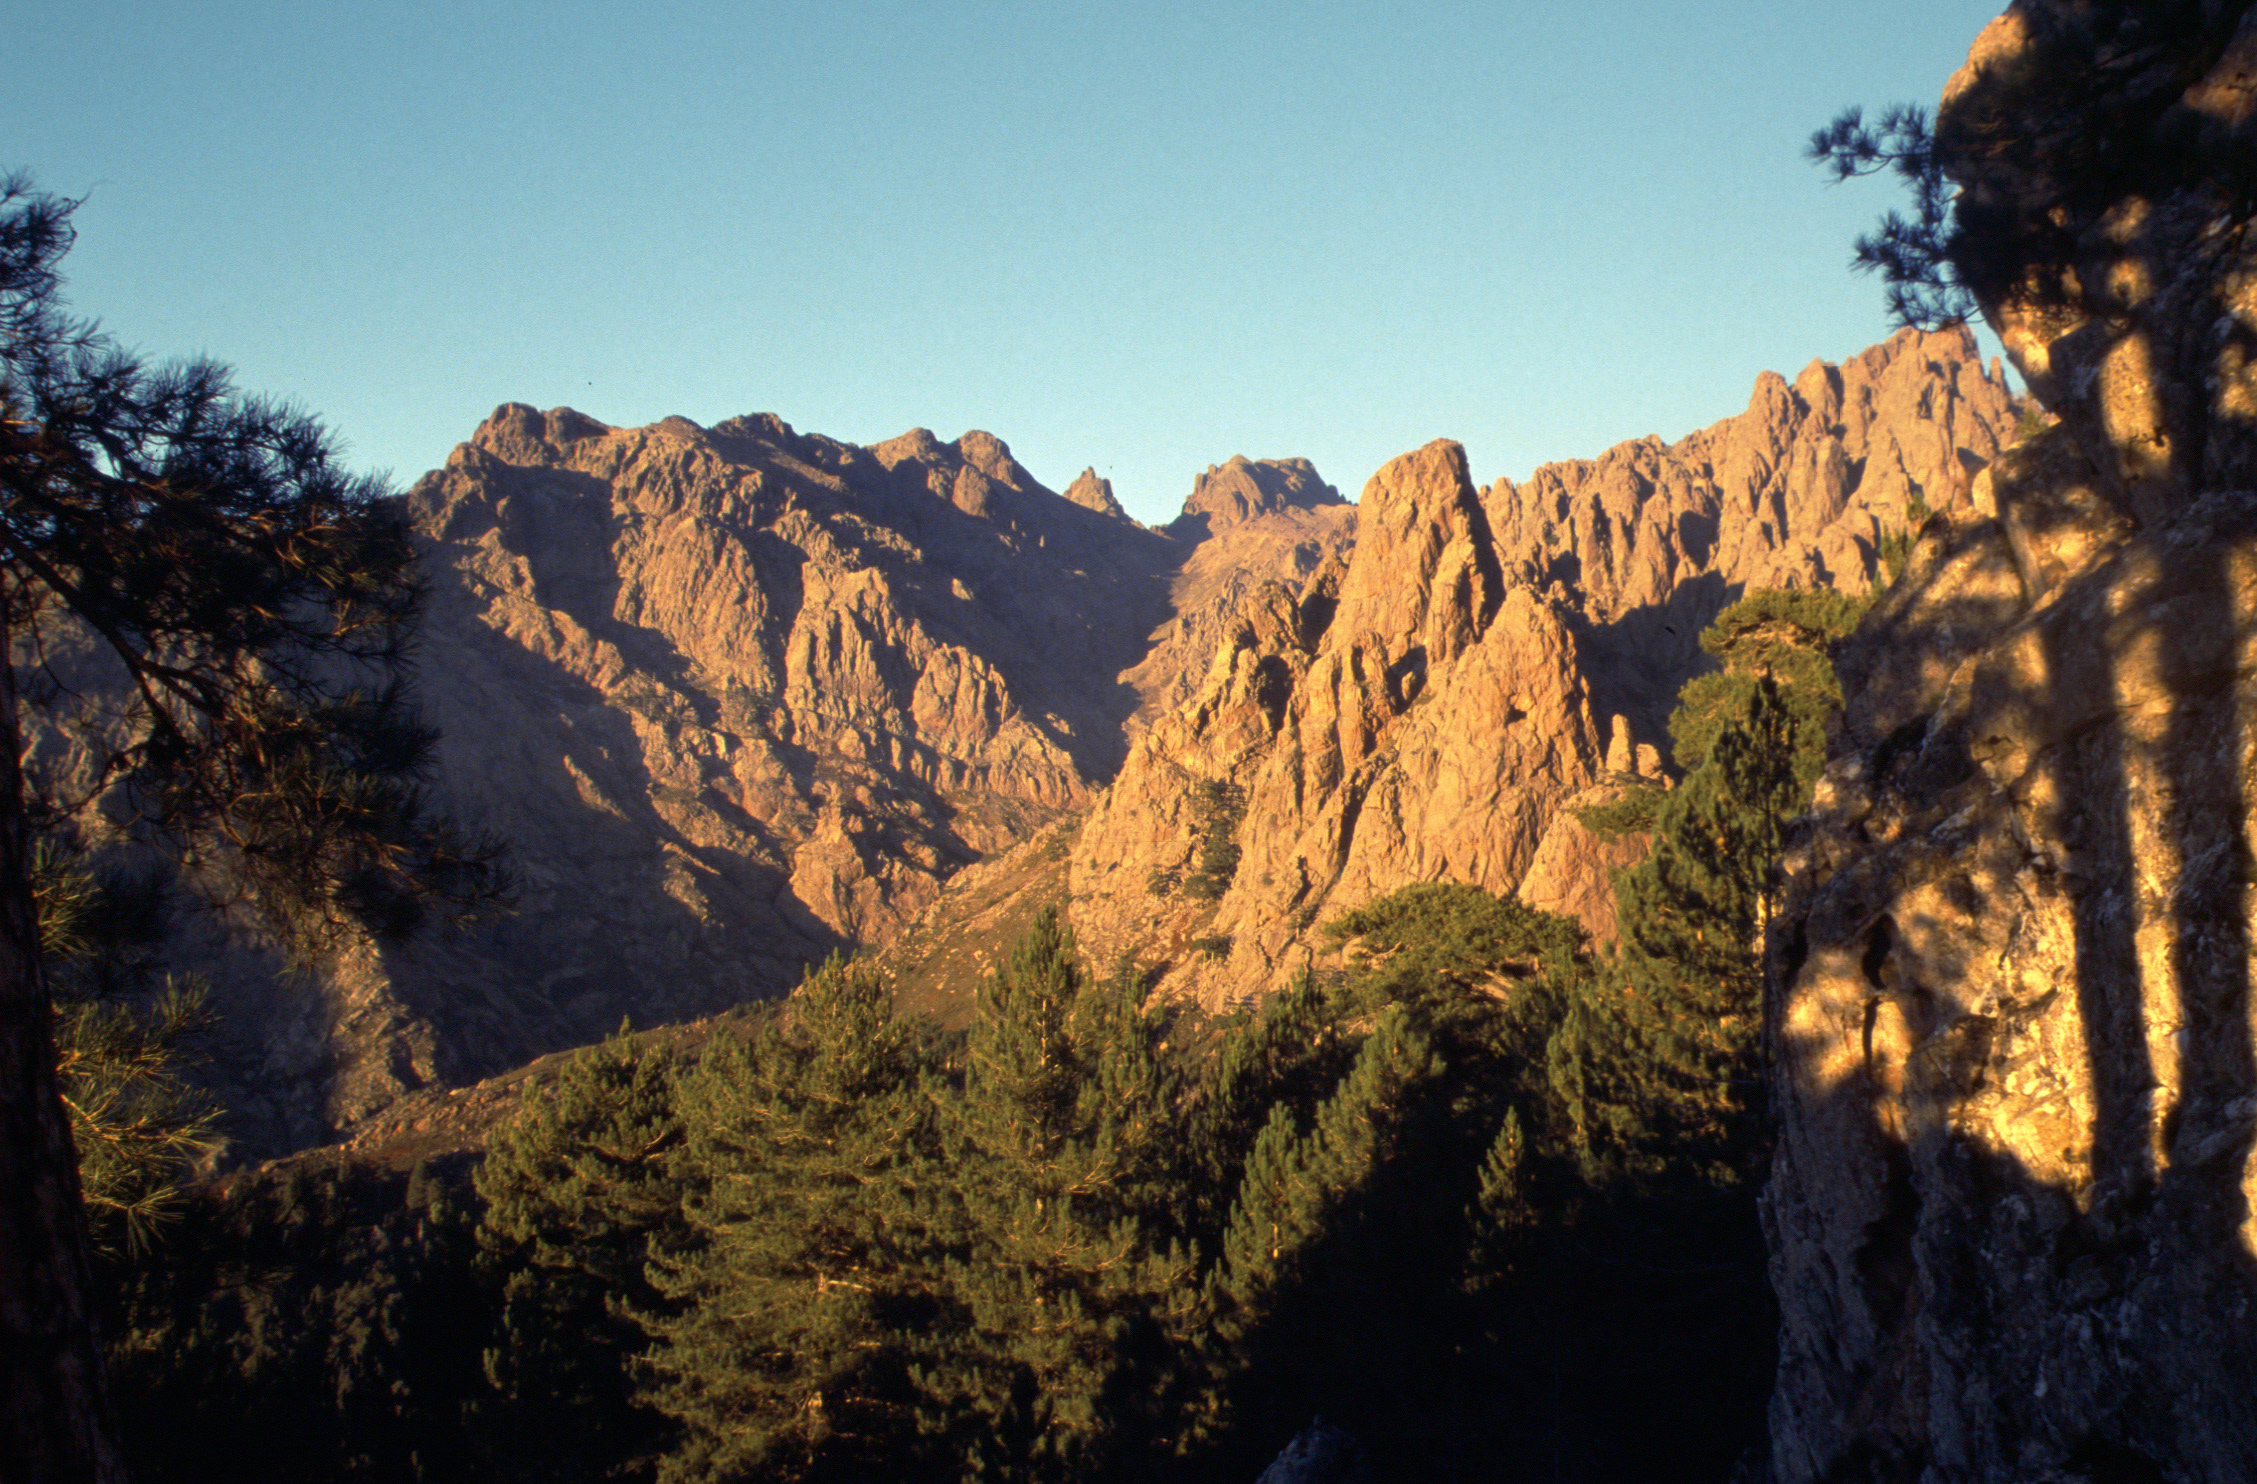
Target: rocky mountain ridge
x,y
1437,698
741,695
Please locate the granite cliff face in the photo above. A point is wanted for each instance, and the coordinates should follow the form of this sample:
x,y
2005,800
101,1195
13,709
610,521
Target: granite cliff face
x,y
1648,541
736,696
1433,701
1407,717
2011,1208
1246,522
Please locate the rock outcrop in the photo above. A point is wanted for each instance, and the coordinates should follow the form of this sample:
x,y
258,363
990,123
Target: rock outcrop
x,y
1255,521
1408,716
1434,701
1648,541
2011,1208
741,695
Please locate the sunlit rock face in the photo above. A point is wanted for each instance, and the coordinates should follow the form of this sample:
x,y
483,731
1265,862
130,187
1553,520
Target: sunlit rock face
x,y
1248,522
1648,541
1405,717
739,695
1429,702
2011,1207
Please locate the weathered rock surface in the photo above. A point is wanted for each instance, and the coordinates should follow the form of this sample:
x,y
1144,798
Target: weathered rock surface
x,y
739,695
735,696
1426,703
2103,153
1409,717
1255,522
1648,541
2011,1209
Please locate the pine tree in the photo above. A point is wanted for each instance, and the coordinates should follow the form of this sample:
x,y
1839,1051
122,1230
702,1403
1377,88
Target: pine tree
x,y
803,1299
1785,635
1659,1058
1324,1266
1079,1295
1657,1080
246,608
122,1049
578,1187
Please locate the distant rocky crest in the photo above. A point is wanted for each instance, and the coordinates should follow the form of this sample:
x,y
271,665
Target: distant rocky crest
x,y
1432,702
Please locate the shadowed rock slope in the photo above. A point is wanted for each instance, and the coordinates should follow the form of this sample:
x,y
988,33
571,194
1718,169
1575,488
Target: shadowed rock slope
x,y
736,697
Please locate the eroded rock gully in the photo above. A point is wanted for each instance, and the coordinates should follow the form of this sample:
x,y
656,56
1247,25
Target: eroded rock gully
x,y
2011,1209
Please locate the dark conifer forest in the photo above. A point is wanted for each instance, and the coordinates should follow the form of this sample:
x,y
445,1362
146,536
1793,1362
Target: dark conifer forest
x,y
1483,1200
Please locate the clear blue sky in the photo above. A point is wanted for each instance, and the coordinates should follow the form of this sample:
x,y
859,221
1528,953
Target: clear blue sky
x,y
1143,237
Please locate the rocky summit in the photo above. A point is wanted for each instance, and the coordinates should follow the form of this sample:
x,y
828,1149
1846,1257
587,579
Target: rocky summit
x,y
1433,701
739,696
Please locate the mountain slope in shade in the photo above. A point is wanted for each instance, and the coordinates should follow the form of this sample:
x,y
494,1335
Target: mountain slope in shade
x,y
737,697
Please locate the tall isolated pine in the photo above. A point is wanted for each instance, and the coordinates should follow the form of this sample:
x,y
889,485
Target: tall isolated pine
x,y
220,614
1657,1064
1660,1055
1658,1059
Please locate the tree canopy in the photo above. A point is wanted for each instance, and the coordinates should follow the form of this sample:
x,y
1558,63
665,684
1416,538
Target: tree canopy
x,y
213,618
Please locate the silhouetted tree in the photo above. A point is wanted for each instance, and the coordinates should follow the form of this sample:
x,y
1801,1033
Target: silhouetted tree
x,y
236,609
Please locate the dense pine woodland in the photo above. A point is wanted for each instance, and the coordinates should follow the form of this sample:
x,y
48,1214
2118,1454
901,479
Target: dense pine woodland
x,y
1484,1202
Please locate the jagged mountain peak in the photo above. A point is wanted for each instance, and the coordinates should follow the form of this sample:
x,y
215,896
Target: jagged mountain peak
x,y
1241,489
742,694
1094,493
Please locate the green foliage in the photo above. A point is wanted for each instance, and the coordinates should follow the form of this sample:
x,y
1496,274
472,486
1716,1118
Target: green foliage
x,y
1441,941
1658,1061
1777,633
1896,546
1077,1295
1633,812
576,1187
1771,625
1218,808
137,1122
791,1314
1098,1238
309,1324
1913,254
216,616
122,1060
1654,1068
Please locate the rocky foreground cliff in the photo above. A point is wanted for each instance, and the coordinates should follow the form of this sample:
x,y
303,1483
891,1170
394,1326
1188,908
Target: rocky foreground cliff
x,y
2011,1212
739,696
